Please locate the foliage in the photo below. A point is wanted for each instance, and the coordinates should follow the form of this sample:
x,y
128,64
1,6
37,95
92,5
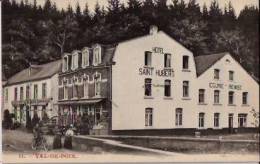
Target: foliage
x,y
33,33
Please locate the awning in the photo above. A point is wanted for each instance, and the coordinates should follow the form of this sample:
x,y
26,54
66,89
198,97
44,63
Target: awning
x,y
79,102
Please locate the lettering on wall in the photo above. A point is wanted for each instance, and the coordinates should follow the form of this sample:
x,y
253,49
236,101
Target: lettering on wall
x,y
236,87
216,85
158,72
157,50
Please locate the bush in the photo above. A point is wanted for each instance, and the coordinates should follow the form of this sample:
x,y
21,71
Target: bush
x,y
7,122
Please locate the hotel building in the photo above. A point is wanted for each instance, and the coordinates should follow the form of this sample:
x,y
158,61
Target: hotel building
x,y
33,91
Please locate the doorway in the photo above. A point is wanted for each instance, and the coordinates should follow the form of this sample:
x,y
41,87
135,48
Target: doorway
x,y
230,122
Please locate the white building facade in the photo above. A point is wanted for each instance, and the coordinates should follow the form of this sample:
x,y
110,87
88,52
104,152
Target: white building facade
x,y
157,84
33,91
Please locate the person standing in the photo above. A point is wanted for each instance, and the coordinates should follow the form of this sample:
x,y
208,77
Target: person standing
x,y
68,137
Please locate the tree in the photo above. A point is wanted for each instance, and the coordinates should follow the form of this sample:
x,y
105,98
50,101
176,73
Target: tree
x,y
63,31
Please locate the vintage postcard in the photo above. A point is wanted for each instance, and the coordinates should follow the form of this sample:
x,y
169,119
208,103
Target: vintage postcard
x,y
97,81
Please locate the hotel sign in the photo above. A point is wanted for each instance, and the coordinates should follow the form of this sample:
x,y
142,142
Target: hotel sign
x,y
159,72
221,86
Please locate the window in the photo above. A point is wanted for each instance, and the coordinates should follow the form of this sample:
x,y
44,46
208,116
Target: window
x,y
231,75
185,88
97,55
201,95
74,61
201,120
216,119
35,91
85,58
178,117
216,96
44,91
148,87
65,92
244,98
148,58
216,73
230,97
167,60
148,117
97,83
6,94
21,93
65,63
167,88
15,94
185,62
85,85
242,118
27,92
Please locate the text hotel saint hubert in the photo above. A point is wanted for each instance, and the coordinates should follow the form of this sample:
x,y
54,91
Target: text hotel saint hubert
x,y
147,85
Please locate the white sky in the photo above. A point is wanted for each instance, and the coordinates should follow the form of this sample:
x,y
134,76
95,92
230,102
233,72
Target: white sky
x,y
237,4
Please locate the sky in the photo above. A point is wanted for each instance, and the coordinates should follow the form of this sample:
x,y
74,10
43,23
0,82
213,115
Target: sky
x,y
237,4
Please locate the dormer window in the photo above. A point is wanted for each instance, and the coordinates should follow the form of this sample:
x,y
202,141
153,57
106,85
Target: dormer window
x,y
65,63
85,57
96,55
74,64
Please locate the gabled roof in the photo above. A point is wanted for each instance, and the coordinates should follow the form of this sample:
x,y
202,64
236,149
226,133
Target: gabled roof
x,y
204,62
37,72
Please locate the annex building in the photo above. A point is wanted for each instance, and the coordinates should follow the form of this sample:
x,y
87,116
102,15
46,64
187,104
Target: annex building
x,y
33,92
154,85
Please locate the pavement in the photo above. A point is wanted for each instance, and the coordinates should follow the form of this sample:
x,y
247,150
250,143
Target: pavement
x,y
16,147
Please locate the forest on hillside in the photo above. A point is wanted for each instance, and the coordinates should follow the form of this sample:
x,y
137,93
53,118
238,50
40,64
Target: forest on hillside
x,y
40,34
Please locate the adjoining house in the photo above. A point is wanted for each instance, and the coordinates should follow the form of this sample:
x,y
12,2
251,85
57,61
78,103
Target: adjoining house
x,y
33,91
154,85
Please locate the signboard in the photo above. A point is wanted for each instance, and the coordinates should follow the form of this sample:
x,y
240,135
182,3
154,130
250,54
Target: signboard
x,y
221,86
159,72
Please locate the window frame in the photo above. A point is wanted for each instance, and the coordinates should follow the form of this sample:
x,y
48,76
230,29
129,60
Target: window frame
x,y
97,56
185,89
85,57
203,96
231,94
245,98
178,117
167,88
44,90
149,86
21,93
15,93
97,83
242,117
185,62
216,74
149,117
201,120
231,75
216,96
167,60
216,120
35,91
148,59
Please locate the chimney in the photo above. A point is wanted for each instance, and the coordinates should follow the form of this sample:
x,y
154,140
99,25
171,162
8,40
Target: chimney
x,y
153,29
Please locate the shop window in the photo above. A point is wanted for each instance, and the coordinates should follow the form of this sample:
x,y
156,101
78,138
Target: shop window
x,y
178,117
148,58
201,120
167,60
148,117
231,75
167,88
244,98
185,88
242,120
216,96
230,97
216,73
148,87
201,96
21,93
185,62
216,119
44,90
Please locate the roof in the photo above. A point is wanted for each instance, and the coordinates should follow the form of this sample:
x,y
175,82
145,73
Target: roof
x,y
3,77
37,72
204,62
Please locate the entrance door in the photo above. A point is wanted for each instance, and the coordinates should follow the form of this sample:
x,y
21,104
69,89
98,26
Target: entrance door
x,y
230,122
